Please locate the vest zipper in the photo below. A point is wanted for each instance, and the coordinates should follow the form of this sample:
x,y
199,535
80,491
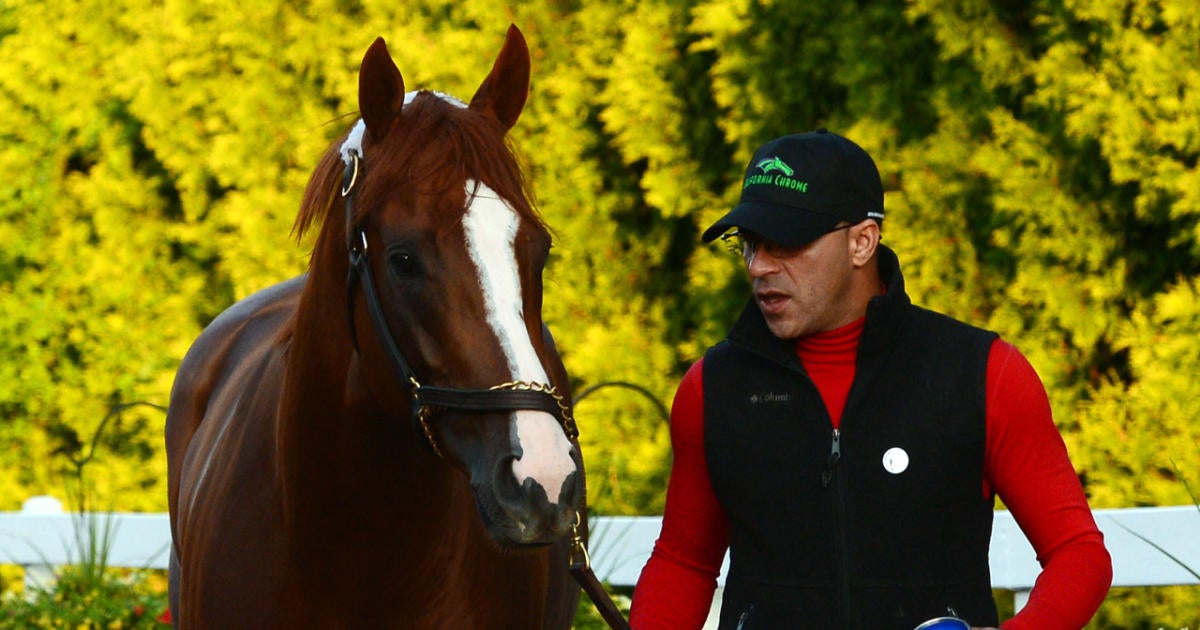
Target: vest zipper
x,y
835,456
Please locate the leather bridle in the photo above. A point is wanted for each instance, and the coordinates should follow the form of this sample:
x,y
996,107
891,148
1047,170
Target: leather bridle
x,y
426,399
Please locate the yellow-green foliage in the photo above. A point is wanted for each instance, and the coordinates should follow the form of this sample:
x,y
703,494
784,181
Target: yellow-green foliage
x,y
1039,160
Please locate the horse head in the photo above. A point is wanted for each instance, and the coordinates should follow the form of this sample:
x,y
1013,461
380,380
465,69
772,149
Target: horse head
x,y
447,256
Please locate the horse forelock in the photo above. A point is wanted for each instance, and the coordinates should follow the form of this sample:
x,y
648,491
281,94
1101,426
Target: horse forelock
x,y
441,144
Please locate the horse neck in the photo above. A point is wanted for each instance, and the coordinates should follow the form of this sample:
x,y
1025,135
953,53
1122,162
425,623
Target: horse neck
x,y
338,445
319,359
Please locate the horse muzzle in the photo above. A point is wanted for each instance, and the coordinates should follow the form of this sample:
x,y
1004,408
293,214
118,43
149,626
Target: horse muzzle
x,y
531,496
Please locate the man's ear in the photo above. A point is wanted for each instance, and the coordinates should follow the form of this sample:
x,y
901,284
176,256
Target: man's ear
x,y
864,240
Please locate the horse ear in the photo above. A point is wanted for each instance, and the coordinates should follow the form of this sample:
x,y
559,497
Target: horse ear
x,y
502,94
380,90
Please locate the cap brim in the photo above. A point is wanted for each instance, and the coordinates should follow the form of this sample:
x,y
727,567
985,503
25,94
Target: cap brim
x,y
793,227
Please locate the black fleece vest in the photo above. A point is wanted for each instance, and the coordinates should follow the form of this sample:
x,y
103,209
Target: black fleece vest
x,y
892,531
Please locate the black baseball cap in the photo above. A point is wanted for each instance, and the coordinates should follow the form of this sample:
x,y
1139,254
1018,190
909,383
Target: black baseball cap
x,y
799,187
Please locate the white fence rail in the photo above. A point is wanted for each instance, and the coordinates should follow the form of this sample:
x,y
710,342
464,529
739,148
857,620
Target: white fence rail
x,y
41,536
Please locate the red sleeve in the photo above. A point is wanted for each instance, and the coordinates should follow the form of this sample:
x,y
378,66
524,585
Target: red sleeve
x,y
1027,466
675,589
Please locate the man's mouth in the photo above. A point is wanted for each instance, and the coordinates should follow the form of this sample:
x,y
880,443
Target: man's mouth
x,y
771,302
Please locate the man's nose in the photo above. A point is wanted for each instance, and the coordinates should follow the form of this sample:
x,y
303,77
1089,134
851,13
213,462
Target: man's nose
x,y
760,262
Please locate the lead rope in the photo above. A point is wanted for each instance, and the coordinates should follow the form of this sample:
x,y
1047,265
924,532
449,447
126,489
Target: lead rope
x,y
579,563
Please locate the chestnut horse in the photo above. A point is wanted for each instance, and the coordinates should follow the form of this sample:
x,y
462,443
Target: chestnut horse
x,y
386,440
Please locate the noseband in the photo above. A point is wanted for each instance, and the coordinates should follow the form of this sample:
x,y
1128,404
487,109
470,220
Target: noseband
x,y
426,399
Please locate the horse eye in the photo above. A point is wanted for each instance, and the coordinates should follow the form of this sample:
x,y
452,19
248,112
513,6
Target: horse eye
x,y
404,264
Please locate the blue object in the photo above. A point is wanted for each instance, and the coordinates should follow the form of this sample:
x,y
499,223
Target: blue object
x,y
944,623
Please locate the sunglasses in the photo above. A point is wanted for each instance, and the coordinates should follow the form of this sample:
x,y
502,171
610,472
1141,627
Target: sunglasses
x,y
748,245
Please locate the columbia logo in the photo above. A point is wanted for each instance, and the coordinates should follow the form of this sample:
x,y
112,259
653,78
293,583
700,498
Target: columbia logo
x,y
767,398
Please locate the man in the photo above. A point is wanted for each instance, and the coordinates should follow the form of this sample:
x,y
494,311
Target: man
x,y
847,446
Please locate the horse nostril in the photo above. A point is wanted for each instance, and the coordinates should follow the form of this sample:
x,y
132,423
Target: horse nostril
x,y
568,495
515,494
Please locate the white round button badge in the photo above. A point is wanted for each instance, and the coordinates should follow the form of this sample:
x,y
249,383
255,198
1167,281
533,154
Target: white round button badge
x,y
895,460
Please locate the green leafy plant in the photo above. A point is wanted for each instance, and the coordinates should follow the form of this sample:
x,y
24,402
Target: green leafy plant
x,y
86,593
86,597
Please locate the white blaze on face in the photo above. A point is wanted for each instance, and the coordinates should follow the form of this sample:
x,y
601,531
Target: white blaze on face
x,y
490,224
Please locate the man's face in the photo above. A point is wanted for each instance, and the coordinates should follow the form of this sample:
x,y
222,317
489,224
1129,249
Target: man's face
x,y
803,290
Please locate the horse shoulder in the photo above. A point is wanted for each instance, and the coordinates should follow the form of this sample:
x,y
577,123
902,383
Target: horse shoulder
x,y
236,335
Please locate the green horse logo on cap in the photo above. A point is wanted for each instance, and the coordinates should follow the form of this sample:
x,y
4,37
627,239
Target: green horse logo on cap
x,y
775,164
782,179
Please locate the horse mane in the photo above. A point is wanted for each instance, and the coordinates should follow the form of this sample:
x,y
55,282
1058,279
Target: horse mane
x,y
471,146
320,191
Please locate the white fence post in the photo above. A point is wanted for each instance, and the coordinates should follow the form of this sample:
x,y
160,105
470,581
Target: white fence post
x,y
40,575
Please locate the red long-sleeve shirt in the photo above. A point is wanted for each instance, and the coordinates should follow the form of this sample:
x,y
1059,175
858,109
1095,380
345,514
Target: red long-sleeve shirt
x,y
1025,464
